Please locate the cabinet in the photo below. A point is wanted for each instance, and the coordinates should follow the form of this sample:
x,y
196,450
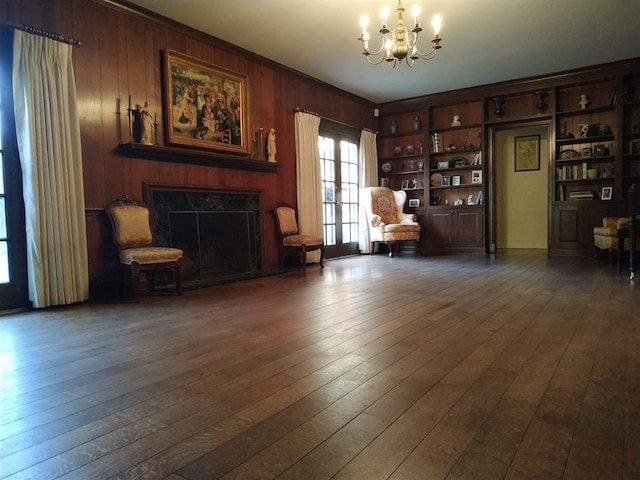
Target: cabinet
x,y
455,183
459,227
402,157
585,150
583,185
631,133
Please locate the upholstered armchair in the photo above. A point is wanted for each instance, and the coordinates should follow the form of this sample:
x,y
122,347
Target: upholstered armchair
x,y
385,217
137,253
606,236
291,239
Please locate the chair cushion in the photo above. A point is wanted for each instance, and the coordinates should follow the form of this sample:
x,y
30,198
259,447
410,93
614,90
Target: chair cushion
x,y
297,240
131,225
383,204
402,227
605,231
148,255
287,220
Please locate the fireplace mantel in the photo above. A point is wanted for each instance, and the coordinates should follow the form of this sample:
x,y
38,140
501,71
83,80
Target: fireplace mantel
x,y
201,157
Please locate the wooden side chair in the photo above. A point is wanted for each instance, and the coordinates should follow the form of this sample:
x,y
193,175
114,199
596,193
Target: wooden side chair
x,y
290,237
133,236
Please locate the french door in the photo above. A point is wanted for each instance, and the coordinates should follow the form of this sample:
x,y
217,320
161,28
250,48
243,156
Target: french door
x,y
13,263
339,169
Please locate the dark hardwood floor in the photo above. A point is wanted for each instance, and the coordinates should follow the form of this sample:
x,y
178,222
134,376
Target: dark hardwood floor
x,y
515,366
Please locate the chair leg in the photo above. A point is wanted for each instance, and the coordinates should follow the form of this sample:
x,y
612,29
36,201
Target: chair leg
x,y
371,247
322,256
135,280
179,277
303,256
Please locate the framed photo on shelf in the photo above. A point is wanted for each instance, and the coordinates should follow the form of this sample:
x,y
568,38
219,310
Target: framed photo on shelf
x,y
442,165
195,94
384,182
446,181
606,193
414,202
455,180
476,176
586,152
405,185
527,153
397,151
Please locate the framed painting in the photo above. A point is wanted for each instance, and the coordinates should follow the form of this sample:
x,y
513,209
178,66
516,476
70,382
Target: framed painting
x,y
527,153
205,106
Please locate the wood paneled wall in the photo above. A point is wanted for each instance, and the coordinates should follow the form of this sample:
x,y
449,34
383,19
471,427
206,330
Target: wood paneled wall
x,y
121,56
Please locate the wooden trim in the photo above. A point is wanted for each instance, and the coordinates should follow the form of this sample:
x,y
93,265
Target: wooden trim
x,y
201,157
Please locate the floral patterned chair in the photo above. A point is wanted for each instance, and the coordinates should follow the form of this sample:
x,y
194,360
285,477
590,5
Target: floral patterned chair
x,y
387,222
137,253
291,239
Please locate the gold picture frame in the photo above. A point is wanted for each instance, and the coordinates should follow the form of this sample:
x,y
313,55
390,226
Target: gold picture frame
x,y
205,106
527,153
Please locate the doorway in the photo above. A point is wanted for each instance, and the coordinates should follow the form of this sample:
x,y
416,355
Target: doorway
x,y
519,216
339,170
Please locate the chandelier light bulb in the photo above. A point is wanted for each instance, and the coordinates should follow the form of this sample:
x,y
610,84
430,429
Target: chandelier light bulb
x,y
399,43
384,13
415,11
436,23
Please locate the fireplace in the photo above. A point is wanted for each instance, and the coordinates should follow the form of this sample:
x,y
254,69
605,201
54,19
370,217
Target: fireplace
x,y
219,230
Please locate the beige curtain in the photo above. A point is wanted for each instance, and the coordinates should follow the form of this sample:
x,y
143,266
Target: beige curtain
x,y
309,184
48,134
368,178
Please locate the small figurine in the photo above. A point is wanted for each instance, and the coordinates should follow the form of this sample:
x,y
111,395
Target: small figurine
x,y
456,121
148,127
271,145
584,101
470,200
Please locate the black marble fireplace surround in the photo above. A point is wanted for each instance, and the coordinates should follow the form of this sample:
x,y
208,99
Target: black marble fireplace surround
x,y
218,229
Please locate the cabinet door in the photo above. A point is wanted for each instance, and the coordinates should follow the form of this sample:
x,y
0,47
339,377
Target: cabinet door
x,y
469,228
572,225
439,229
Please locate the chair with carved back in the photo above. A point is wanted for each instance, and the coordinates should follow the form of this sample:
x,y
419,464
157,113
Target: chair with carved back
x,y
132,234
290,237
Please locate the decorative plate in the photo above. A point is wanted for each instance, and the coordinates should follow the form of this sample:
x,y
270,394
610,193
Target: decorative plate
x,y
386,167
436,180
568,154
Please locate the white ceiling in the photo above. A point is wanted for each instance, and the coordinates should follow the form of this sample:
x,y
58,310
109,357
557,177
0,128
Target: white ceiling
x,y
483,41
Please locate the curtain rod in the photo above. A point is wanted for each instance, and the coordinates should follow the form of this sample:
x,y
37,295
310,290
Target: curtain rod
x,y
298,109
43,33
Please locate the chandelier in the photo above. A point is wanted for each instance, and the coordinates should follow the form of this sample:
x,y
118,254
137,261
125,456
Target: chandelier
x,y
400,43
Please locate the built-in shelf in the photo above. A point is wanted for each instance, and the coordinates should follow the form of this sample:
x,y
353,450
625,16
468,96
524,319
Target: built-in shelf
x,y
201,157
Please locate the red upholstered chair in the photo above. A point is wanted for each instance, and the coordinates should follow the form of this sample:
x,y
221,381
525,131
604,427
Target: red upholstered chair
x,y
137,253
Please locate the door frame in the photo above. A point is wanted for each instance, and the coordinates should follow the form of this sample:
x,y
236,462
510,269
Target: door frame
x,y
340,131
492,187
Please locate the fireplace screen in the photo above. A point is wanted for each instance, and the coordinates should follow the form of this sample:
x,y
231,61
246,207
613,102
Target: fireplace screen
x,y
214,243
219,231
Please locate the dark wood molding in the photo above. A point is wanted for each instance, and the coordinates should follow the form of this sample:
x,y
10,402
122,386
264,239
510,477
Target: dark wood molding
x,y
201,157
513,87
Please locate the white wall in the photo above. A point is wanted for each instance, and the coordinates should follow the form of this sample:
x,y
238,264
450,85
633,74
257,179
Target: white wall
x,y
522,197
